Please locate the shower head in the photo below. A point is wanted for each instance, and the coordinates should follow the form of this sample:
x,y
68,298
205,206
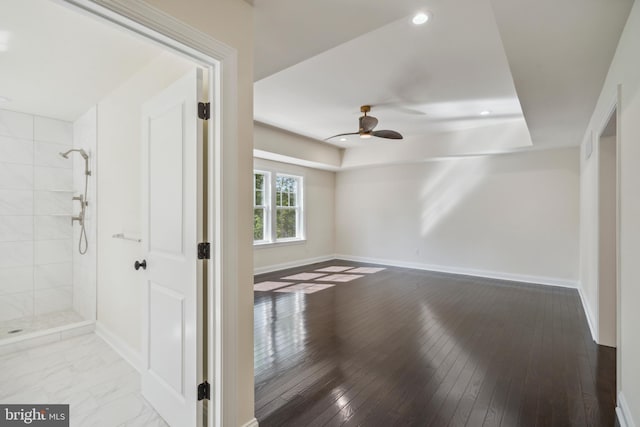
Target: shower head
x,y
79,150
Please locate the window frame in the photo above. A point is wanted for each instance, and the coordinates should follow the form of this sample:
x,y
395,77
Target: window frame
x,y
266,205
298,208
270,208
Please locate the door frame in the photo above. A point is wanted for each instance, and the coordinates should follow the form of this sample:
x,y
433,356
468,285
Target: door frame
x,y
221,63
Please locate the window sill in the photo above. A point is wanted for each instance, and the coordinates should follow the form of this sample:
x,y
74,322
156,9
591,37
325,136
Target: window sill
x,y
265,245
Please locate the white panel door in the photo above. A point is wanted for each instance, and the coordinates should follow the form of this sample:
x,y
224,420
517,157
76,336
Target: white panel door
x,y
172,204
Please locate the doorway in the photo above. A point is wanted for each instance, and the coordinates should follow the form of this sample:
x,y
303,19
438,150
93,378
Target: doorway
x,y
113,164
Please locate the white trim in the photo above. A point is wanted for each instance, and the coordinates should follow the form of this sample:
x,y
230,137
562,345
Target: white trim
x,y
538,280
292,264
591,320
623,412
251,423
281,158
119,346
271,245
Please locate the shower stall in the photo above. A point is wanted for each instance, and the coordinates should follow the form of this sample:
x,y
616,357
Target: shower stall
x,y
47,227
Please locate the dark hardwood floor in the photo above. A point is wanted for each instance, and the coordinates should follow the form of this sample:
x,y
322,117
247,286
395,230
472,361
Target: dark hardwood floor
x,y
410,347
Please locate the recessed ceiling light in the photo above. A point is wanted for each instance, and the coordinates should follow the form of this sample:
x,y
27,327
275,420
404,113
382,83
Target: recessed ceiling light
x,y
343,139
420,18
485,113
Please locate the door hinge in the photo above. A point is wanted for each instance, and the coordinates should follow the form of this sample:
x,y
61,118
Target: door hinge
x,y
204,391
204,110
204,250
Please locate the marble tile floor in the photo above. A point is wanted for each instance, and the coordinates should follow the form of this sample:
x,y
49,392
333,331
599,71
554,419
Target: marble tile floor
x,y
16,327
102,389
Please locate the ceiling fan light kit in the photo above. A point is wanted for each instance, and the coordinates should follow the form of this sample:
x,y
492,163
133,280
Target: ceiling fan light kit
x,y
366,126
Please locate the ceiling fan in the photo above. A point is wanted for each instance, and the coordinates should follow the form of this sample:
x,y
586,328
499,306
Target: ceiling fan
x,y
367,124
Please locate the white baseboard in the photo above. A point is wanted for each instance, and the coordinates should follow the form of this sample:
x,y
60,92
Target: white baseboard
x,y
538,280
292,264
591,320
252,423
624,413
123,349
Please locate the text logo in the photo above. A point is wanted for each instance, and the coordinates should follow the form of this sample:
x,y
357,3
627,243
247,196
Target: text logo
x,y
34,415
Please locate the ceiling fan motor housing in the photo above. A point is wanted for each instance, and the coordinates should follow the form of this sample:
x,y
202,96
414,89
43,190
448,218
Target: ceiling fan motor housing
x,y
367,123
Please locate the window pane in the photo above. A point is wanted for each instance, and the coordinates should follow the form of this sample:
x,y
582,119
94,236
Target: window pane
x,y
258,200
286,223
258,224
259,181
292,199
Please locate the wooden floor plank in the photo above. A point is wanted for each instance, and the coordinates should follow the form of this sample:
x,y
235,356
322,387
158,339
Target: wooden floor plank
x,y
409,347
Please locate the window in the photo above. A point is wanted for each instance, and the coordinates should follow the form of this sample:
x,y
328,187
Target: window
x,y
277,208
260,207
287,207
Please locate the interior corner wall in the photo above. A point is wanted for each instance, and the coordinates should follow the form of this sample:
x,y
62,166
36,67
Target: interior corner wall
x,y
319,195
512,216
119,286
623,78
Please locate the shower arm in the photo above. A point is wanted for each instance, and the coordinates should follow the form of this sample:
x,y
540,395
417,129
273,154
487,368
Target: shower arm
x,y
84,155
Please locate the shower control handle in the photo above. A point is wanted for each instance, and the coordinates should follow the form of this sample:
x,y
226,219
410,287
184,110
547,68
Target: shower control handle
x,y
142,264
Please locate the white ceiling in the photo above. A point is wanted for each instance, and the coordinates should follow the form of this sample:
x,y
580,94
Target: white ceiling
x,y
59,63
317,62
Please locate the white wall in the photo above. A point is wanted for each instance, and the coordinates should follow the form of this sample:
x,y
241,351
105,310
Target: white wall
x,y
119,207
513,216
85,136
35,211
319,194
624,71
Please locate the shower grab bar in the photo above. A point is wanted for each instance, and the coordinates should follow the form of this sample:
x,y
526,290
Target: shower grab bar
x,y
124,237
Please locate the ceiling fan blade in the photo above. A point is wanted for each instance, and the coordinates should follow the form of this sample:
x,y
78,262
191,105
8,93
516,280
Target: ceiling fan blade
x,y
342,134
389,134
367,123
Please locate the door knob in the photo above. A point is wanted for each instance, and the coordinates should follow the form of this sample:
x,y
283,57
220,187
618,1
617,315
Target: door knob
x,y
142,264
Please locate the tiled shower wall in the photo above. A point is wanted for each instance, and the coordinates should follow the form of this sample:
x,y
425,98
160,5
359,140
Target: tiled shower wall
x,y
36,247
